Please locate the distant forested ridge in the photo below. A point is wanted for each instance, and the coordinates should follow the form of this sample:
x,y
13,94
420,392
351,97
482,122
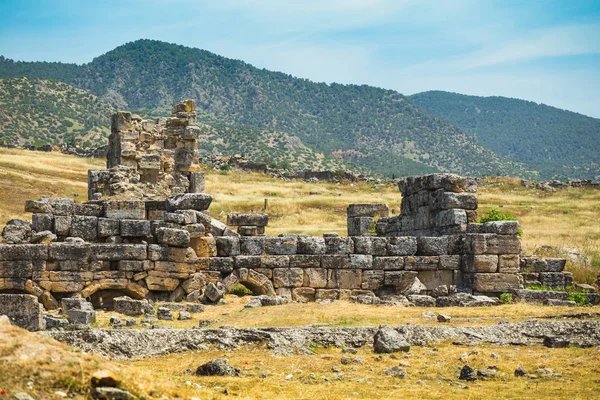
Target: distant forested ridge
x,y
560,144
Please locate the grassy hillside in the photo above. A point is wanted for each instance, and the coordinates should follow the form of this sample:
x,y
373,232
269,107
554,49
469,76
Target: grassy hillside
x,y
41,111
375,128
564,218
558,143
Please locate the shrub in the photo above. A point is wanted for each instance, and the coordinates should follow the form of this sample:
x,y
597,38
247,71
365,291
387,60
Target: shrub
x,y
241,290
496,215
578,297
506,298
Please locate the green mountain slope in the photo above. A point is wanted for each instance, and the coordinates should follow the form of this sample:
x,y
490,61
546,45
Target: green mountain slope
x,y
558,143
40,111
375,128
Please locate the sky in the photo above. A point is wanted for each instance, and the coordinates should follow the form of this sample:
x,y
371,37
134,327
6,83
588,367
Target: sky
x,y
547,51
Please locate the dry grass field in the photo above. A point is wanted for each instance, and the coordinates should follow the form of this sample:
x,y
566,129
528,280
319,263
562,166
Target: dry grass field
x,y
566,218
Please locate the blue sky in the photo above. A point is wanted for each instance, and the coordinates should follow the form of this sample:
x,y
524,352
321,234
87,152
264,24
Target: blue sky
x,y
546,51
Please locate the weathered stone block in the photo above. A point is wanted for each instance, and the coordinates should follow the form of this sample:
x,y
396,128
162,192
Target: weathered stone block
x,y
315,277
124,209
161,283
480,263
303,294
508,263
449,262
305,261
84,227
358,226
275,261
133,308
423,263
62,225
37,206
392,263
74,303
252,246
248,219
197,182
68,251
339,245
221,264
135,228
451,217
88,209
23,310
434,279
311,245
372,280
368,210
335,261
448,200
288,277
228,246
81,317
348,278
42,222
495,283
280,245
16,269
189,201
174,237
432,246
361,261
402,246
117,252
400,280
326,294
247,262
205,246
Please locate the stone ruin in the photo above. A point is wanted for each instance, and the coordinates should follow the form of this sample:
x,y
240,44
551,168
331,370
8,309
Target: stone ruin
x,y
170,248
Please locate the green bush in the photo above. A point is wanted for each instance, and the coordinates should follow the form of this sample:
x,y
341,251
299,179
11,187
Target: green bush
x,y
542,287
241,290
496,215
578,297
506,298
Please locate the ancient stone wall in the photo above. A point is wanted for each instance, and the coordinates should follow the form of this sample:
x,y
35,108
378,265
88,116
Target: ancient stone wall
x,y
151,157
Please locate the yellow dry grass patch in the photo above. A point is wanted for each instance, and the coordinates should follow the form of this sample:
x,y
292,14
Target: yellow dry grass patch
x,y
432,373
344,313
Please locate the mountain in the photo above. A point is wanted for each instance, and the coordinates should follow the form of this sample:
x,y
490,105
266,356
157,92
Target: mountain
x,y
376,129
558,143
40,111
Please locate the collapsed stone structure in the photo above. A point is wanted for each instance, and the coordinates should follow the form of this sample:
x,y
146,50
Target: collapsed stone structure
x,y
171,249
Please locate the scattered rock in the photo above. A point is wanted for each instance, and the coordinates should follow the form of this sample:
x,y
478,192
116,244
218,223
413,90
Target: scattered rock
x,y
349,351
184,315
395,371
165,313
212,294
21,396
556,342
388,340
104,378
467,374
110,393
520,372
443,318
217,367
345,360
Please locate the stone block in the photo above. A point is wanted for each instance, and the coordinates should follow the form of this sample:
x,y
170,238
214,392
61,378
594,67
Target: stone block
x,y
16,269
391,263
348,278
450,262
421,263
127,306
189,201
448,200
434,279
88,209
432,246
118,252
135,228
228,246
42,222
288,277
68,251
368,210
508,263
303,294
62,225
280,245
108,227
195,230
372,280
134,265
450,217
401,281
189,216
305,261
480,263
23,310
247,219
495,283
402,246
221,264
84,227
197,182
37,206
174,237
361,261
275,262
252,262
252,246
315,277
326,294
81,317
311,245
74,303
538,264
358,226
175,218
205,246
124,209
335,261
339,245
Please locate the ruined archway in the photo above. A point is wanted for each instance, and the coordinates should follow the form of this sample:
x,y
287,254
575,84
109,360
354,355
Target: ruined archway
x,y
102,293
258,283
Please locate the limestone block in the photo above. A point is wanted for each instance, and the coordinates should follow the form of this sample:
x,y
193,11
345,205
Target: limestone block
x,y
402,246
16,269
175,218
127,306
288,277
247,262
349,278
434,279
23,310
247,219
252,246
205,246
195,282
363,244
195,230
124,209
249,230
361,261
394,263
228,246
84,227
538,264
303,294
160,283
88,209
495,283
368,210
432,246
339,245
305,261
81,317
117,252
480,263
42,222
311,245
189,201
221,264
175,254
74,303
335,261
315,277
197,182
447,200
37,206
358,226
149,161
372,280
61,206
62,225
326,294
280,245
134,265
450,262
275,262
69,251
508,263
173,237
423,263
400,280
135,228
450,217
285,292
